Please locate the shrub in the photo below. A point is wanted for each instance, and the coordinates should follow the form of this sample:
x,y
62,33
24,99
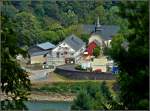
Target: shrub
x,y
96,51
82,102
79,67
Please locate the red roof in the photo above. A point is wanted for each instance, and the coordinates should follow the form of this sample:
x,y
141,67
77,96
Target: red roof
x,y
91,47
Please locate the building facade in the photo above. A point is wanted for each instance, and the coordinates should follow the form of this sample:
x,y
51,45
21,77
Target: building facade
x,y
101,33
39,53
68,51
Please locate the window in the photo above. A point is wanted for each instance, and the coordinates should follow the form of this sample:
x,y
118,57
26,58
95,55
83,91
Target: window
x,y
58,54
65,53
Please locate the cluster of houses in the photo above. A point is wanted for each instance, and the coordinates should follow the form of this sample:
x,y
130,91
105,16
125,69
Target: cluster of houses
x,y
73,50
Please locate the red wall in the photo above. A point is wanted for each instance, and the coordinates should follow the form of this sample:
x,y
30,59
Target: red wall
x,y
91,47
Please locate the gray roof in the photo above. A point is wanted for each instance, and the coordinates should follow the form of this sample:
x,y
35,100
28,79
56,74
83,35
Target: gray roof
x,y
75,42
39,53
46,45
107,31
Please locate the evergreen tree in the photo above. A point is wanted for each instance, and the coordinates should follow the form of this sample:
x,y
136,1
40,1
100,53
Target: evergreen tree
x,y
82,102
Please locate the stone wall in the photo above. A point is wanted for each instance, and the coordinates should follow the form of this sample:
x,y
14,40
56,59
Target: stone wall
x,y
81,75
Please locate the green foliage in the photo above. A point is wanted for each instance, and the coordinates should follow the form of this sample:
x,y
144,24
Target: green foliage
x,y
62,17
100,98
133,63
13,105
96,51
92,89
82,102
49,36
69,18
27,27
79,67
8,9
14,80
85,37
71,87
105,91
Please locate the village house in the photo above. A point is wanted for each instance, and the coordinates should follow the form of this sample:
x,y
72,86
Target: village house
x,y
100,34
39,52
68,51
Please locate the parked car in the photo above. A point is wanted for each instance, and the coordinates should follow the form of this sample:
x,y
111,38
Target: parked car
x,y
98,70
45,66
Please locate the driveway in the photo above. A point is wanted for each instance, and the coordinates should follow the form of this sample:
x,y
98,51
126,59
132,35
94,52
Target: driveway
x,y
38,74
68,67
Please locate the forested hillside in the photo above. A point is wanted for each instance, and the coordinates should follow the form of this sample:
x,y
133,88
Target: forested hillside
x,y
40,21
28,22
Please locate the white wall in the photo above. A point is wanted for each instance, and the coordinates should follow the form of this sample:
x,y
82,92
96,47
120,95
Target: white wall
x,y
97,38
62,45
107,42
60,48
77,54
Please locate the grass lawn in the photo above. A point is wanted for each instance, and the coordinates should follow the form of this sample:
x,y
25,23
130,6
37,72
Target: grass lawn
x,y
58,79
58,84
69,86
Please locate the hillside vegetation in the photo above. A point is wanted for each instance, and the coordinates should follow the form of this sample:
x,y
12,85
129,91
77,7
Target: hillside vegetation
x,y
41,21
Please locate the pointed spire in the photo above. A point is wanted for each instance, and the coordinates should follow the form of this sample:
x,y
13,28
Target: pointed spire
x,y
98,24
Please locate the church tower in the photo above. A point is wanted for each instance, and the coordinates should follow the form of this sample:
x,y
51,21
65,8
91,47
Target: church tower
x,y
97,26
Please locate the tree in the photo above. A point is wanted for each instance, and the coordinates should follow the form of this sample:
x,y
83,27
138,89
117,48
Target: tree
x,y
96,98
100,12
92,90
28,27
8,9
96,51
69,18
51,9
15,83
133,63
85,37
49,36
24,5
82,102
39,10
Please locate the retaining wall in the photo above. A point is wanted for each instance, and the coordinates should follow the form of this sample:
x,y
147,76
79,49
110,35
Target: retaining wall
x,y
80,75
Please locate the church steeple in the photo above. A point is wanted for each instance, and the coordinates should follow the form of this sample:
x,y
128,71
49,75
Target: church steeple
x,y
98,26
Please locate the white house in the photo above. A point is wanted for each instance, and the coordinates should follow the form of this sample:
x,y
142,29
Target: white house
x,y
68,51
